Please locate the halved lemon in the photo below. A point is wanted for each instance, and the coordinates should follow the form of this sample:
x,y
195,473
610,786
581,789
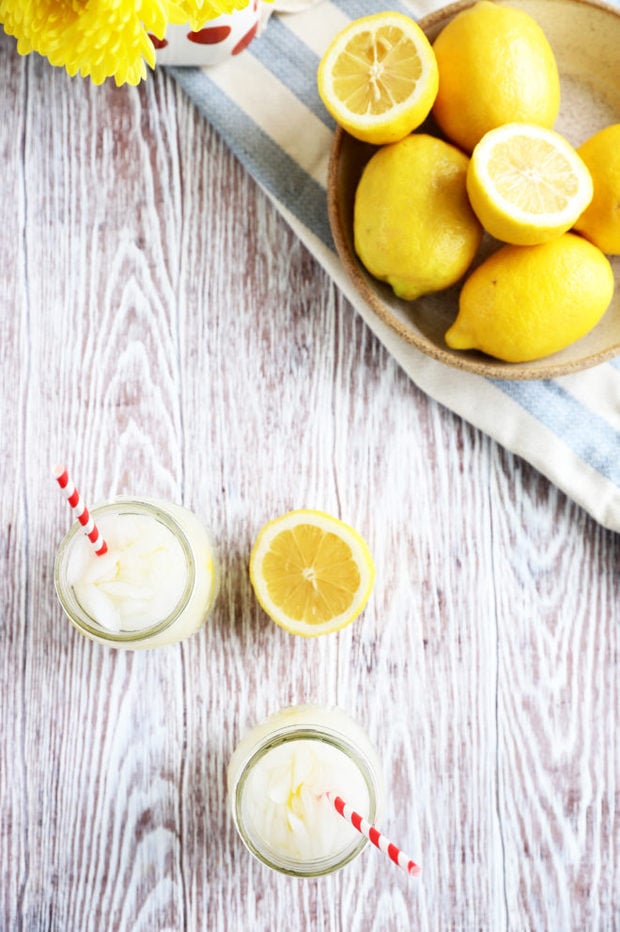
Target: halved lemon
x,y
311,573
379,77
527,184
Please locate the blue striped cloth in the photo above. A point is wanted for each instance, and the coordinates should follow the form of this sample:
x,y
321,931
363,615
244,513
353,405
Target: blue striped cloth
x,y
266,107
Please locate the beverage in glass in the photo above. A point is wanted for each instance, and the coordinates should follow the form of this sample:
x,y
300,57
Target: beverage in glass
x,y
155,585
279,780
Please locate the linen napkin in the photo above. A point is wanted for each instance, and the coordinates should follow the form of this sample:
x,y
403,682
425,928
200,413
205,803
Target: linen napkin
x,y
265,105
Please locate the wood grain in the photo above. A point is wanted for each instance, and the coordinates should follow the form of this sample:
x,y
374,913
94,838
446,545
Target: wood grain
x,y
162,330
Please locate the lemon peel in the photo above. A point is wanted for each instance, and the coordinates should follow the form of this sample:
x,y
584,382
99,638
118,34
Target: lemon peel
x,y
600,222
413,224
495,66
527,302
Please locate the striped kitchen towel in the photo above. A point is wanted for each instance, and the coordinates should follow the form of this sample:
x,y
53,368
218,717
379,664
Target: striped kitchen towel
x,y
266,107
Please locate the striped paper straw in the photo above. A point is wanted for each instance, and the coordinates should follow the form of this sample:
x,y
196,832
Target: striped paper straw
x,y
373,835
80,510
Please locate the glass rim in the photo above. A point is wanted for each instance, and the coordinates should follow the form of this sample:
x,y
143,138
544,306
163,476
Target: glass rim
x,y
313,867
76,612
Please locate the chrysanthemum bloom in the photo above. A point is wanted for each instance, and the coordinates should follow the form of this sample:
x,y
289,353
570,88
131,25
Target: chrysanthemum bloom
x,y
103,38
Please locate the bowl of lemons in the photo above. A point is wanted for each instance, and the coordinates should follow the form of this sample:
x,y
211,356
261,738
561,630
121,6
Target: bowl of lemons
x,y
474,180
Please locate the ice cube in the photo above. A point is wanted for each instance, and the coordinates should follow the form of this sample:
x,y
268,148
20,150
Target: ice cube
x,y
280,784
80,559
99,607
301,837
303,762
122,591
128,530
99,568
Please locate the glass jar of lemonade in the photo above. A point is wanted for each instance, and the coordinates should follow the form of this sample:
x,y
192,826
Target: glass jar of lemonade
x,y
155,585
278,780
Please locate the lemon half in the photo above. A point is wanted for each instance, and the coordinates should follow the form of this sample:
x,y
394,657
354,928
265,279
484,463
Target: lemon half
x,y
379,77
527,184
312,573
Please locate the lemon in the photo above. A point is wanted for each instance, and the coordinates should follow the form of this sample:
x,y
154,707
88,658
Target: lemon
x,y
495,66
413,224
525,302
527,184
311,573
378,78
600,222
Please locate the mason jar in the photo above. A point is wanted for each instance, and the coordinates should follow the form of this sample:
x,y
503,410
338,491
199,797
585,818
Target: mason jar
x,y
155,585
279,778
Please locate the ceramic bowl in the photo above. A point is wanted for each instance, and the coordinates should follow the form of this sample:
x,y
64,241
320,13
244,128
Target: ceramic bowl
x,y
585,37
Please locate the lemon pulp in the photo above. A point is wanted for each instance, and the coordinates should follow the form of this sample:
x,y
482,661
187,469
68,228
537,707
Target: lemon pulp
x,y
527,184
311,573
378,78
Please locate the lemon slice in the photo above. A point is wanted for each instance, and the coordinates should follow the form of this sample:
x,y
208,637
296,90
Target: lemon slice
x,y
379,77
311,573
527,184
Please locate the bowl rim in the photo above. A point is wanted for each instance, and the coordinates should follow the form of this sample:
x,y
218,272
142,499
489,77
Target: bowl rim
x,y
478,364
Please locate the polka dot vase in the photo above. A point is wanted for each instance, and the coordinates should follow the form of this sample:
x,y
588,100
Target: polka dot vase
x,y
219,40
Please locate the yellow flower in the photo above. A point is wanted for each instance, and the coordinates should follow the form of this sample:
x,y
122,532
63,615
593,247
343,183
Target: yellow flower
x,y
197,12
103,38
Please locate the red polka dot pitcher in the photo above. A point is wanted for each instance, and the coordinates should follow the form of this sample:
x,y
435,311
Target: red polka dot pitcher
x,y
219,39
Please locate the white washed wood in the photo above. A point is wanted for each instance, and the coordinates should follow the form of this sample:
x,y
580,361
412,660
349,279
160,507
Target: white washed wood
x,y
162,329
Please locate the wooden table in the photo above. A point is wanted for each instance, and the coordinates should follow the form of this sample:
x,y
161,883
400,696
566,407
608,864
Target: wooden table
x,y
164,332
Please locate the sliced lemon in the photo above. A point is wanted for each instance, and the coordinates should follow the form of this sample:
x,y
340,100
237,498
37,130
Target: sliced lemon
x,y
311,573
379,77
527,184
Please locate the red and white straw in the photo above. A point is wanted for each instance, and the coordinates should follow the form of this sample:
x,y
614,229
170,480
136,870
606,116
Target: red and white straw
x,y
373,835
80,510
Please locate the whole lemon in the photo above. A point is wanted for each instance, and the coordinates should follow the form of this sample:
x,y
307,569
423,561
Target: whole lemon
x,y
525,302
600,222
495,66
413,224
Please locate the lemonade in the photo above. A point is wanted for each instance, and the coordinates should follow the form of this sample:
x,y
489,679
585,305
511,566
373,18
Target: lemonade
x,y
278,778
155,585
